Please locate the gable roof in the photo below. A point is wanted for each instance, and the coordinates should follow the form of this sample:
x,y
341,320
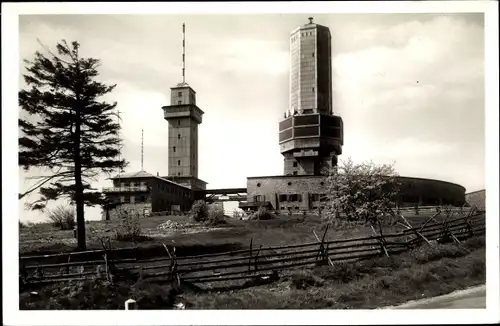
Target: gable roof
x,y
144,174
140,174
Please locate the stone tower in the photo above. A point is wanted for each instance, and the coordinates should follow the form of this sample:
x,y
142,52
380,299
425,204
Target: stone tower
x,y
310,136
183,118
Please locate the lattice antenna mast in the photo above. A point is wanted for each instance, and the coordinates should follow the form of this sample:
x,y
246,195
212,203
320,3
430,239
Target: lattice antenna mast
x,y
183,53
142,150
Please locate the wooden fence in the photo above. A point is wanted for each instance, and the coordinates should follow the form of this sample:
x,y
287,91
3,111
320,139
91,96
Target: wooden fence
x,y
256,262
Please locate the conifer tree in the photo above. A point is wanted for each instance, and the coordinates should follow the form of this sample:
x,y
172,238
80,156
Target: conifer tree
x,y
68,132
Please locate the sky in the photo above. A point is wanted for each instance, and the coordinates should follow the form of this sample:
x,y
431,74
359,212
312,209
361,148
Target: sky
x,y
409,87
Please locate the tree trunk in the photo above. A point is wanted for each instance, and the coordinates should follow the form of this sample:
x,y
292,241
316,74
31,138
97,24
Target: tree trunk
x,y
80,219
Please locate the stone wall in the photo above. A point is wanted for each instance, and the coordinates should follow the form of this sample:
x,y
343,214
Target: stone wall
x,y
414,191
143,209
477,198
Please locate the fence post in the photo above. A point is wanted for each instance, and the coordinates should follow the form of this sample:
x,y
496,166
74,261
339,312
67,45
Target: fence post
x,y
173,263
131,304
256,258
381,241
321,250
250,258
418,234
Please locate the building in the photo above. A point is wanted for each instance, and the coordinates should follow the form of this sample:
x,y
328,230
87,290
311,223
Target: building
x,y
477,198
143,193
183,116
311,137
302,192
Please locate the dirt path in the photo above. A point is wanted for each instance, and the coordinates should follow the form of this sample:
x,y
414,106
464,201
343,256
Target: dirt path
x,y
471,298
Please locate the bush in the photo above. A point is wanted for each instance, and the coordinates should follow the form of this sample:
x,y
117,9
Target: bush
x,y
22,225
305,279
130,229
426,254
262,214
199,211
63,218
216,215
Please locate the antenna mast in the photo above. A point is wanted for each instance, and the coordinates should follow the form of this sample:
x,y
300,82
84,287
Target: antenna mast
x,y
142,150
120,148
183,53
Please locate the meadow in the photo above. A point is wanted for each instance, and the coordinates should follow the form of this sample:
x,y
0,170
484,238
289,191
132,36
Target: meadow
x,y
422,272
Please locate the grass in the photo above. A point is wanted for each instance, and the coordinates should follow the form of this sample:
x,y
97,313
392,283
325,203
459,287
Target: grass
x,y
283,230
424,272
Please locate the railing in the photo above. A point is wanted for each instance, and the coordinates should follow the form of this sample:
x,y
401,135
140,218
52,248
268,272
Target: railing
x,y
126,189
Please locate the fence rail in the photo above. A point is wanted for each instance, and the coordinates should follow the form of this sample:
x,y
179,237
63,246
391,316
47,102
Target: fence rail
x,y
257,261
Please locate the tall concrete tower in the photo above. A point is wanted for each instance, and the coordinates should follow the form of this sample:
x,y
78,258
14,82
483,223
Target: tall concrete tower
x,y
183,118
310,136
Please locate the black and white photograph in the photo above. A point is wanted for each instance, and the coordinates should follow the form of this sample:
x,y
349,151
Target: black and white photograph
x,y
287,157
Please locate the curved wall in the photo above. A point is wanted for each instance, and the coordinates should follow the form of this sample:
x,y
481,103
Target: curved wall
x,y
305,192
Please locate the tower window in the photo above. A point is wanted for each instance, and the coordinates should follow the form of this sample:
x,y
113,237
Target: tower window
x,y
179,102
313,89
178,136
178,122
178,173
179,162
174,149
179,94
313,54
294,164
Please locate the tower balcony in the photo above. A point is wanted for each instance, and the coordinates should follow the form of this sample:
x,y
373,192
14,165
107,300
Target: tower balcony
x,y
182,111
310,134
110,190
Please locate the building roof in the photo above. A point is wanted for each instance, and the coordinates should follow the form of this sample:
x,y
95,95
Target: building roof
x,y
144,174
140,174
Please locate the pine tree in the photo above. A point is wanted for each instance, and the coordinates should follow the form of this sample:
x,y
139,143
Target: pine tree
x,y
68,132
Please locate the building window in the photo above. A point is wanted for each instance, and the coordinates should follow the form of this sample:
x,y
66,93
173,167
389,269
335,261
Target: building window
x,y
178,122
179,94
294,164
178,173
179,162
289,183
282,198
174,149
293,197
179,102
294,172
258,184
322,183
178,136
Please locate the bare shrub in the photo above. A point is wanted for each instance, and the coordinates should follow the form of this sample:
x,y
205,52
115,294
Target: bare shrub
x,y
63,217
262,214
216,215
199,211
22,225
